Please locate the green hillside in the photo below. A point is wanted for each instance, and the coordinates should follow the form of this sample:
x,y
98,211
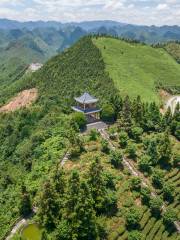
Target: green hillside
x,y
80,68
34,140
138,69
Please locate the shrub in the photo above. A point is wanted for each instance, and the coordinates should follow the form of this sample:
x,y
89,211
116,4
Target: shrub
x,y
168,191
104,146
155,205
79,119
123,139
135,235
116,158
135,183
157,178
144,163
93,135
137,133
108,113
169,216
133,217
131,151
145,195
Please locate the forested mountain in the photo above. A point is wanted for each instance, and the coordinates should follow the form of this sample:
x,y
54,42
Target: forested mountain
x,y
148,34
34,140
24,43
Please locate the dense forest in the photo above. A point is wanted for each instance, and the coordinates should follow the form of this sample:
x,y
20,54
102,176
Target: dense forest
x,y
87,199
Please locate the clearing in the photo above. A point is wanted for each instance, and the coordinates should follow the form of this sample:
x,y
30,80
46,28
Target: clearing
x,y
23,99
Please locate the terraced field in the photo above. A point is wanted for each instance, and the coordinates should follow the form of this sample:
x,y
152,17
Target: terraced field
x,y
151,229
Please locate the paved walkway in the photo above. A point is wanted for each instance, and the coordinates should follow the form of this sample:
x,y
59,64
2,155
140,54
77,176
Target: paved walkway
x,y
97,125
128,163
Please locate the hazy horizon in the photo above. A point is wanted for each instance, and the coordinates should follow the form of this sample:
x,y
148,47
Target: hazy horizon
x,y
138,12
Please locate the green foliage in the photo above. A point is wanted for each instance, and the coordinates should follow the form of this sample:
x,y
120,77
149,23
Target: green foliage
x,y
144,163
133,217
79,119
137,133
168,191
145,195
131,150
123,139
176,159
157,178
108,113
129,66
135,235
155,205
104,146
135,183
93,135
116,158
169,216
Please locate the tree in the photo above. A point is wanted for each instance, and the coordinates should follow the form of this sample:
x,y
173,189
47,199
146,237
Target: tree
x,y
165,149
104,146
168,191
145,195
137,133
123,139
131,150
144,163
137,111
157,178
125,117
108,113
135,235
97,185
170,216
85,215
135,183
79,119
156,205
116,100
72,193
116,158
48,210
133,217
25,203
93,135
152,151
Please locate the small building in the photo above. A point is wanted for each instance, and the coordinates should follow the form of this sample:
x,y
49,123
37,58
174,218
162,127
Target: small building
x,y
87,104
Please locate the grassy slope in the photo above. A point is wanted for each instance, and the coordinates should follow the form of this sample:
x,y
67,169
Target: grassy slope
x,y
136,69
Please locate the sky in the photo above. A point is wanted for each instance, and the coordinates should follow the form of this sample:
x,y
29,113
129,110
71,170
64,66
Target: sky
x,y
141,12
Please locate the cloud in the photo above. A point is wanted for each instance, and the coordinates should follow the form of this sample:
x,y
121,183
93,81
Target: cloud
x,y
162,6
156,12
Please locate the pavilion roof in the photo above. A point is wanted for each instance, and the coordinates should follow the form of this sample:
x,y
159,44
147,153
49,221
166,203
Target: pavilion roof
x,y
86,98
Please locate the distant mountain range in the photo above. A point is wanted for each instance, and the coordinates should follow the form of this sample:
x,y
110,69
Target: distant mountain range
x,y
147,34
22,43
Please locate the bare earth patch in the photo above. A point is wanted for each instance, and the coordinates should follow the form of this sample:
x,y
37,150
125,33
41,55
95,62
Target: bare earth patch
x,y
23,99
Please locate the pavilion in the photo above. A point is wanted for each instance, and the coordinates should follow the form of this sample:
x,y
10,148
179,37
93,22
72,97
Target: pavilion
x,y
87,105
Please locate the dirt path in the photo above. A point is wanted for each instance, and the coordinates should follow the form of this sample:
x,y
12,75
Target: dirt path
x,y
128,163
18,225
23,99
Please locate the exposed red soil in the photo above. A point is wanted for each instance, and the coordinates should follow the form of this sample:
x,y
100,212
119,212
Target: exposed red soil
x,y
23,99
